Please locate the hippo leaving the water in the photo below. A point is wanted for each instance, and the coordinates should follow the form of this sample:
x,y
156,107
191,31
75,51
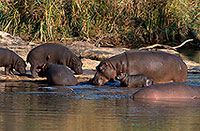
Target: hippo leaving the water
x,y
168,91
54,53
162,67
138,80
57,74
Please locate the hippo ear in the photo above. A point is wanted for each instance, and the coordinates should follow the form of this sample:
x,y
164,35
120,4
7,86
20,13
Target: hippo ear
x,y
104,66
20,63
74,59
44,66
101,68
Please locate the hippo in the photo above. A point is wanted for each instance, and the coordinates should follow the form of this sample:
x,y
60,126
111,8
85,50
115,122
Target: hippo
x,y
138,80
162,67
54,53
10,60
57,74
175,90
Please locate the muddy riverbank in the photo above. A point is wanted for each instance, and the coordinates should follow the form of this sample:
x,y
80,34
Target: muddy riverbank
x,y
90,54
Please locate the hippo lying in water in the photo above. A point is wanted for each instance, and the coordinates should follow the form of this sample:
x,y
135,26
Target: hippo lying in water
x,y
54,53
168,91
10,60
138,80
162,67
57,74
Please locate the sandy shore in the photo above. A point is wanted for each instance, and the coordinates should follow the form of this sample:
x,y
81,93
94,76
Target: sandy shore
x,y
91,57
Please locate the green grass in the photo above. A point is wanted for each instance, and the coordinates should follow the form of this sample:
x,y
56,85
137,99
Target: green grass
x,y
132,23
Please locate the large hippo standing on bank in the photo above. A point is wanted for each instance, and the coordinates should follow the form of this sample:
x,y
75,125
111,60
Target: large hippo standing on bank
x,y
10,60
54,53
162,67
168,91
57,74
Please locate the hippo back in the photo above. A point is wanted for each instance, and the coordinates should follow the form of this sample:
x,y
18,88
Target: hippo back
x,y
54,53
168,91
161,66
57,74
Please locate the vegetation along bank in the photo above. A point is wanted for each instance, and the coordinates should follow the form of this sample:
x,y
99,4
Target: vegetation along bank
x,y
128,23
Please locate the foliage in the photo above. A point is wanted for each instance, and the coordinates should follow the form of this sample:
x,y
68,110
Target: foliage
x,y
132,23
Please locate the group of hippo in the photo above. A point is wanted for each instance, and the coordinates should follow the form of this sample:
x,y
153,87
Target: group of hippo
x,y
161,75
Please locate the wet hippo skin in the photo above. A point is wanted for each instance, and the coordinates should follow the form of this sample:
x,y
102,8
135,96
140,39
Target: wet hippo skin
x,y
57,74
138,80
168,91
162,67
10,60
54,53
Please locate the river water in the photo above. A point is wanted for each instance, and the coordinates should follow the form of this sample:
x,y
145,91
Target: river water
x,y
26,106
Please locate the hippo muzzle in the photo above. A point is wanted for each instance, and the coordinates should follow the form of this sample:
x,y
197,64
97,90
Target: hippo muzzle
x,y
78,71
99,79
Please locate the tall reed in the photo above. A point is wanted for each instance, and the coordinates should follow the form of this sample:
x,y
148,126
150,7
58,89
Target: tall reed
x,y
132,23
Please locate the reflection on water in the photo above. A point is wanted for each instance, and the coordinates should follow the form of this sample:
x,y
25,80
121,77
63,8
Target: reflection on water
x,y
32,106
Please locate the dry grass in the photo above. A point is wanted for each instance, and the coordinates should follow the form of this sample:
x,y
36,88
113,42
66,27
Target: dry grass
x,y
132,23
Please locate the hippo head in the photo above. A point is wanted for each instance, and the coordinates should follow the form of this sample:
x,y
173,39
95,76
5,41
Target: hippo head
x,y
99,79
77,65
41,70
20,66
105,72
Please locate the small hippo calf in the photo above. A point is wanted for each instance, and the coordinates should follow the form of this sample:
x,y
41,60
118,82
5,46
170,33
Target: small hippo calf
x,y
138,80
10,60
57,74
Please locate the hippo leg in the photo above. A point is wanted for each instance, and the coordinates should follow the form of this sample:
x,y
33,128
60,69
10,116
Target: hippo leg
x,y
11,71
8,70
33,71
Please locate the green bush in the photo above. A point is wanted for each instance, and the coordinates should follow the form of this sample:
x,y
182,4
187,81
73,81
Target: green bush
x,y
132,23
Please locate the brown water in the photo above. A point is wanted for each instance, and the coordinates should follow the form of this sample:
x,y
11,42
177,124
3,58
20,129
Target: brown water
x,y
28,106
